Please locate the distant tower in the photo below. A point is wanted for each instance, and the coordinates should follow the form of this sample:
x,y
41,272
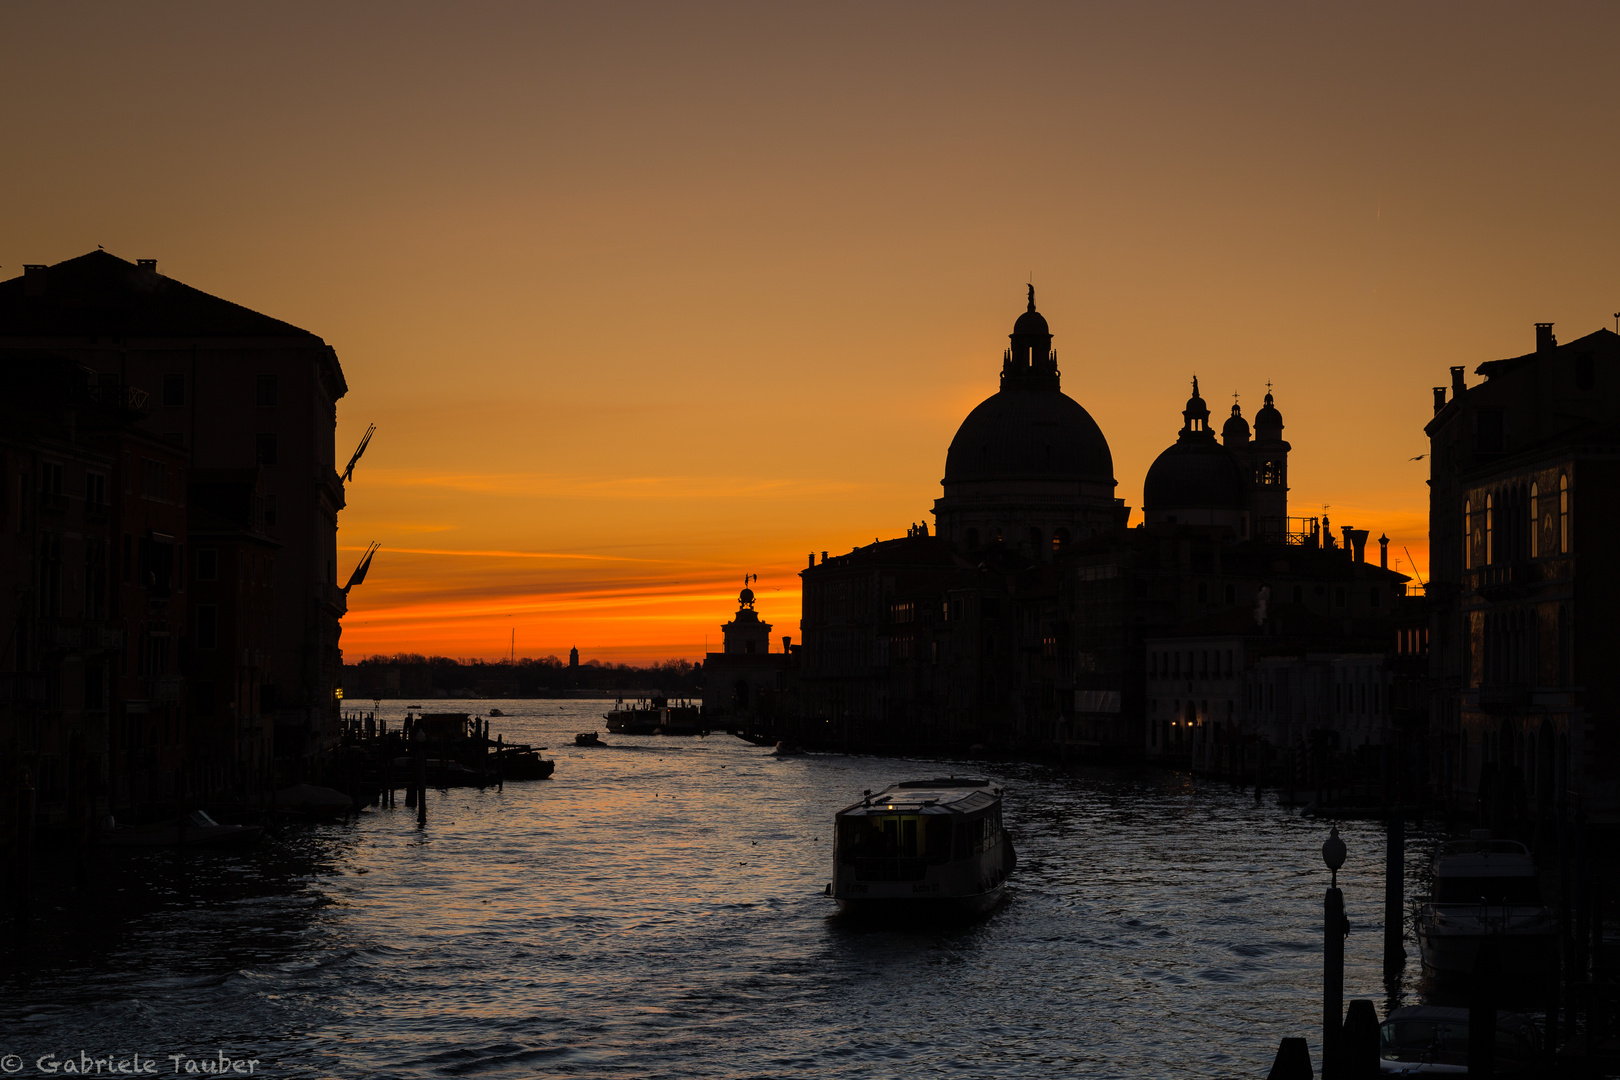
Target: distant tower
x,y
573,659
746,633
1268,463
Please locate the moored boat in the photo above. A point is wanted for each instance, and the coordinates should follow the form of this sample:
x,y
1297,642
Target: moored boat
x,y
1485,888
195,829
588,738
937,845
657,716
1432,1040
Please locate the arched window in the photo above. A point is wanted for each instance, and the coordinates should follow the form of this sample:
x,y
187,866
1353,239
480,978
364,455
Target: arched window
x,y
1563,515
1468,535
1035,539
1490,515
1535,524
1060,539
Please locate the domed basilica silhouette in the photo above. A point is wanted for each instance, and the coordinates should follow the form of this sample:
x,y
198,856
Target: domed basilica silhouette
x,y
1036,616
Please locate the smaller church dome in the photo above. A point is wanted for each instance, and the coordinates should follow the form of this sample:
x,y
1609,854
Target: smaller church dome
x,y
1196,472
1268,417
1236,429
1031,323
1194,475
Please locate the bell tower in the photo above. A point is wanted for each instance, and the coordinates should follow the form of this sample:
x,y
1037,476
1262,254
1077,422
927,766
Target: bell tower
x,y
1268,462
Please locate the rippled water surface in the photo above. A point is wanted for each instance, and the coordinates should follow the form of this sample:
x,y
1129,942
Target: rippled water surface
x,y
656,910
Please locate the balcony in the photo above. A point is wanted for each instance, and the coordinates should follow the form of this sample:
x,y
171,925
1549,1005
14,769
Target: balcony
x,y
1503,697
22,686
126,399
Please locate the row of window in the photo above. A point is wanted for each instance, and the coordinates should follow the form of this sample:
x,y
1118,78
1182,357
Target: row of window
x,y
265,391
1498,533
1060,538
1168,664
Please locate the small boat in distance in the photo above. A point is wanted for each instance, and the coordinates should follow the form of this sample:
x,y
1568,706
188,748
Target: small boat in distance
x,y
588,738
657,716
936,845
1485,888
496,712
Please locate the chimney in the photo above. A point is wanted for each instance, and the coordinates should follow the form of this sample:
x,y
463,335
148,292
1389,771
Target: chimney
x,y
1344,530
1383,553
787,644
1439,398
1545,342
824,558
1458,382
1358,537
146,274
34,279
812,559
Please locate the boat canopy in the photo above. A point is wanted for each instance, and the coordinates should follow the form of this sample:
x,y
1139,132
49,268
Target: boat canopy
x,y
951,796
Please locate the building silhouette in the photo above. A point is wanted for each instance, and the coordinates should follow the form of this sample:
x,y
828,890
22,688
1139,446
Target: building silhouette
x,y
745,681
196,436
1035,618
1522,495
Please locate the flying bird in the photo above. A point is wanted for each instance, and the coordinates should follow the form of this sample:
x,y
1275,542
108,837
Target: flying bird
x,y
1420,457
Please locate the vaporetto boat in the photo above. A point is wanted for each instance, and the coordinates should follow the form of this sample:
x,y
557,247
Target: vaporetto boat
x,y
936,845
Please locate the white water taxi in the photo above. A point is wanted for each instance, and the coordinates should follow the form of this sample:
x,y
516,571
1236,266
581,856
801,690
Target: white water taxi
x,y
1485,888
933,844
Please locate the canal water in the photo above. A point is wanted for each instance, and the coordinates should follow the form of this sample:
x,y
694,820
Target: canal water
x,y
655,909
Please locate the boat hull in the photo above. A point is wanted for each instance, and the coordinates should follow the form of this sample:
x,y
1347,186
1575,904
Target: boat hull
x,y
1524,955
924,907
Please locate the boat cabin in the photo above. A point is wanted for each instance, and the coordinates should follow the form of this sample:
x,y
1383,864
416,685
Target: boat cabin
x,y
897,834
1489,871
445,725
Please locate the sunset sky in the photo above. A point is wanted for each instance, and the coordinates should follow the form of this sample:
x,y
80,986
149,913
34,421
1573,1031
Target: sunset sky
x,y
642,298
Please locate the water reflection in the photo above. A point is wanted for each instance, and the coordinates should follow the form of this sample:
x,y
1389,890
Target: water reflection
x,y
656,909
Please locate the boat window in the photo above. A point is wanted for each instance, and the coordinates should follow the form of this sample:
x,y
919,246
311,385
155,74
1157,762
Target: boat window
x,y
895,836
1522,891
978,835
1440,1036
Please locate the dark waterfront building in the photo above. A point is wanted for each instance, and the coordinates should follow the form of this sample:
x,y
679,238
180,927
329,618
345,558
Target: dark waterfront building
x,y
1035,619
1523,495
171,506
745,681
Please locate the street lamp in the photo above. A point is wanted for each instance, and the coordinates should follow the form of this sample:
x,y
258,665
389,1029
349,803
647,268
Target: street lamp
x,y
1334,929
1333,853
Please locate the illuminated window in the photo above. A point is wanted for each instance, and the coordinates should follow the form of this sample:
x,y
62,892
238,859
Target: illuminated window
x,y
1468,536
1490,514
1563,515
1535,525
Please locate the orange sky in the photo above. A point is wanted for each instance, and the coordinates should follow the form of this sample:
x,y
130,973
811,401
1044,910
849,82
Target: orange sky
x,y
646,297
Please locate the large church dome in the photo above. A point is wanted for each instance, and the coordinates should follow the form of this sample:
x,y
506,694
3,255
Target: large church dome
x,y
1029,429
1029,434
1029,468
